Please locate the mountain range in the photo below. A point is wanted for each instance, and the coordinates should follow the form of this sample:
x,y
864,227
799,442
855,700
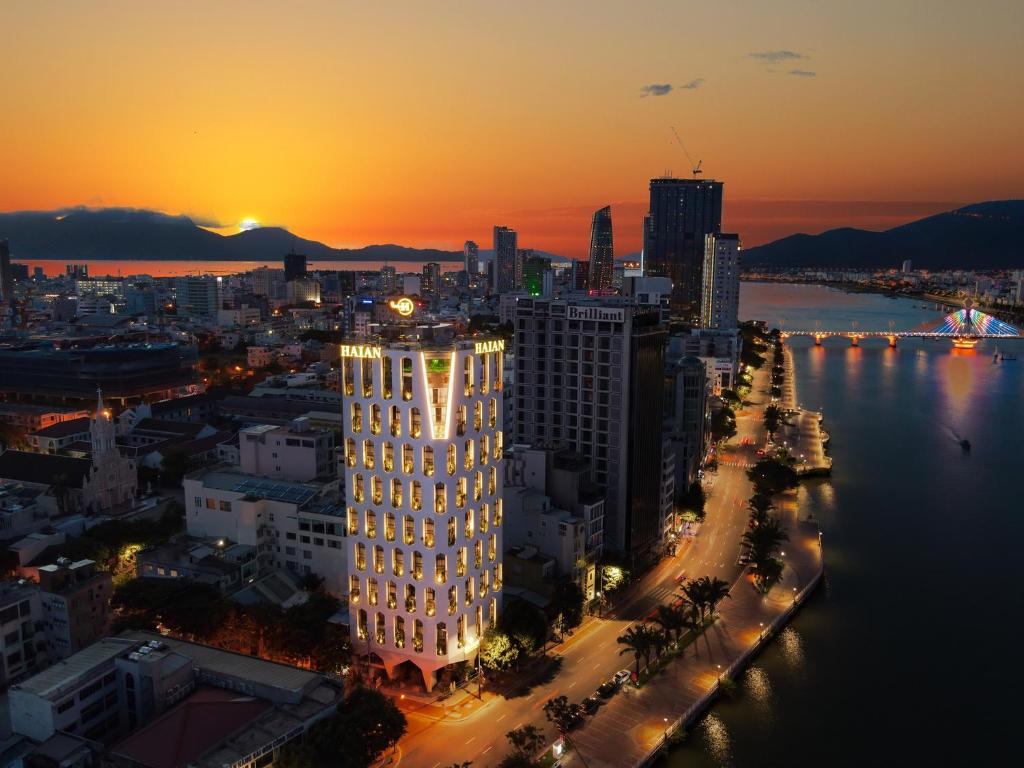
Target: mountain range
x,y
981,236
122,233
986,235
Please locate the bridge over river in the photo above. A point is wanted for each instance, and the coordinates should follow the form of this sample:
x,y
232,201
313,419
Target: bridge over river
x,y
964,327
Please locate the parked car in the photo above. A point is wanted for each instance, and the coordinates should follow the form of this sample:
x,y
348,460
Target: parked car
x,y
590,704
607,690
622,676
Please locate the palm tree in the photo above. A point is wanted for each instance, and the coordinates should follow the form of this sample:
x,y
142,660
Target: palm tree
x,y
670,619
659,641
705,593
760,545
772,417
638,641
691,618
759,506
716,591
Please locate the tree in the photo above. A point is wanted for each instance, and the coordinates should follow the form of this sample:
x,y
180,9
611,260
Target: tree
x,y
560,712
772,418
760,506
723,423
637,640
693,501
759,546
567,602
659,641
771,476
497,651
670,619
526,742
705,594
525,624
366,724
174,465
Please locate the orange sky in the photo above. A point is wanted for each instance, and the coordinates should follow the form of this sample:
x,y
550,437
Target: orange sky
x,y
426,123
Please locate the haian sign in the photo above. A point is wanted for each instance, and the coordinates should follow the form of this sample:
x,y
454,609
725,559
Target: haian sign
x,y
360,350
601,314
495,345
403,306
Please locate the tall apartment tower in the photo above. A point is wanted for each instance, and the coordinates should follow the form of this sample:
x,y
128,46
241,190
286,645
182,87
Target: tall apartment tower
x,y
430,283
294,266
6,275
423,478
602,255
506,259
682,213
471,254
590,377
720,304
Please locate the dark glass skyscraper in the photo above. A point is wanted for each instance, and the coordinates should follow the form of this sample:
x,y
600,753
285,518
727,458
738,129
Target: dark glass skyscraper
x,y
682,212
6,274
602,256
506,260
294,266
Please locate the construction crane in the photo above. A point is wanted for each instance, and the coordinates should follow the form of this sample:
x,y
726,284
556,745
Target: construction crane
x,y
695,167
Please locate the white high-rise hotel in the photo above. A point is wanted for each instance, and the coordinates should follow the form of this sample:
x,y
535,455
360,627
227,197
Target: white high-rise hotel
x,y
423,448
721,297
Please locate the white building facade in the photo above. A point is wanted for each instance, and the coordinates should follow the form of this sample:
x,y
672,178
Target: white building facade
x,y
423,478
720,303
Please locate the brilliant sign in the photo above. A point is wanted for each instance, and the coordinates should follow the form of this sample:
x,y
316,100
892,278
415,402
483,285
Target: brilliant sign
x,y
497,345
600,314
403,306
360,350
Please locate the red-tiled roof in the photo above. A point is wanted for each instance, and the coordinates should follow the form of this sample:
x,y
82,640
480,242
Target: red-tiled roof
x,y
186,731
64,428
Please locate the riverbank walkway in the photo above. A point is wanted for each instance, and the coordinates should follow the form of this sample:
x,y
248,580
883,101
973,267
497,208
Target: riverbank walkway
x,y
801,433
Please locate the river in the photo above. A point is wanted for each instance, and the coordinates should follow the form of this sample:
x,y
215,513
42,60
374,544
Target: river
x,y
907,654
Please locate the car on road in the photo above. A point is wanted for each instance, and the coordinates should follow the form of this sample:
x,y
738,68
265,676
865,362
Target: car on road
x,y
760,451
622,676
590,704
607,690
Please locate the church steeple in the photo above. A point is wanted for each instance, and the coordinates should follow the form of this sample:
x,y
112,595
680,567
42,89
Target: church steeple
x,y
101,432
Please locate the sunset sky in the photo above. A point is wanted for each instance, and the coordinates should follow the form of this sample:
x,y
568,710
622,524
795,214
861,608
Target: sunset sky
x,y
425,123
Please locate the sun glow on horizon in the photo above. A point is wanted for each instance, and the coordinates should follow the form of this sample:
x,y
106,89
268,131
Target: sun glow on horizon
x,y
247,224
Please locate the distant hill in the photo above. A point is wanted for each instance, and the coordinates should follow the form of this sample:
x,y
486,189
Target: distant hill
x,y
123,234
981,236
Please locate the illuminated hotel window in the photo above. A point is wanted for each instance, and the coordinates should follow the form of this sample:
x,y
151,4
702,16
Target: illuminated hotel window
x,y
485,583
416,496
469,526
353,521
478,624
492,614
460,420
492,547
460,562
381,635
462,631
353,588
428,532
356,411
485,379
438,374
372,593
417,637
378,558
371,524
440,569
460,492
377,489
483,449
358,493
492,481
398,562
498,370
498,441
492,413
485,517
369,458
392,595
429,601
478,554
478,415
497,513
442,639
428,461
453,600
417,565
440,499
350,451
395,417
386,376
408,530
478,483
389,457
415,423
470,590
467,375
467,455
451,531
451,458
348,376
374,419
396,493
399,632
407,459
360,556
497,577
389,527
366,368
361,624
407,378
410,598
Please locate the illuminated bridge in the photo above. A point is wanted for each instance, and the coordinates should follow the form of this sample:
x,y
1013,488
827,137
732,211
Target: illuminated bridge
x,y
964,327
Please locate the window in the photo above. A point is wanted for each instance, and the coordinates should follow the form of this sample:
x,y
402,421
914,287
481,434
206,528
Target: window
x,y
366,369
395,419
396,493
408,530
386,377
428,532
407,459
389,527
415,423
440,499
356,417
369,456
440,569
225,506
407,378
375,419
470,527
428,461
442,639
416,496
389,458
370,527
398,562
211,504
467,455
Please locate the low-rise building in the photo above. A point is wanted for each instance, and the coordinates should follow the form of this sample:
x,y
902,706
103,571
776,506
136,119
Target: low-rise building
x,y
75,600
21,643
295,452
57,437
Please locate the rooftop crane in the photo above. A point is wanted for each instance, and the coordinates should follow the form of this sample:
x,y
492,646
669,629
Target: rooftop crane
x,y
695,167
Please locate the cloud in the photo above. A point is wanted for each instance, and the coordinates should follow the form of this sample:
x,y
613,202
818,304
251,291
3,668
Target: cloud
x,y
656,89
803,73
692,85
774,57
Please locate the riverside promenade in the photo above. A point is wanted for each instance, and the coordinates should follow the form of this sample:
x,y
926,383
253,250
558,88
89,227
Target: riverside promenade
x,y
634,726
801,432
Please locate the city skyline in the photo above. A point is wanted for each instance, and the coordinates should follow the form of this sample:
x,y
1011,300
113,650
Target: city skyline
x,y
231,136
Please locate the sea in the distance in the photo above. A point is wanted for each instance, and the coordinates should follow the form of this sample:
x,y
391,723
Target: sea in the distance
x,y
172,268
909,653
